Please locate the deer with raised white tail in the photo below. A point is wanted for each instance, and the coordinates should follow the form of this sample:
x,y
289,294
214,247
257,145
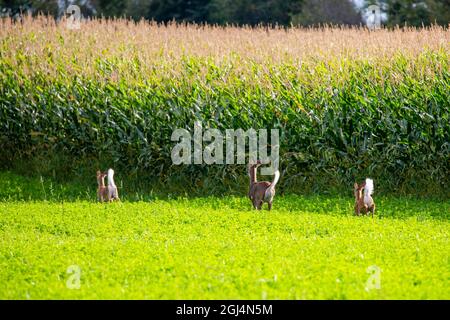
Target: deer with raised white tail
x,y
363,197
112,189
261,191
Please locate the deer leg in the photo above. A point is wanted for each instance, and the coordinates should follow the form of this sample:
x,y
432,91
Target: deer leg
x,y
260,204
254,204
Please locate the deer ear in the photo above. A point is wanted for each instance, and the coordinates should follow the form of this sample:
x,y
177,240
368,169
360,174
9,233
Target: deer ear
x,y
356,185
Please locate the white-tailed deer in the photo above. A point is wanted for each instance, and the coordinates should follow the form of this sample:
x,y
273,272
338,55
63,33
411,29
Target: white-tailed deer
x,y
363,197
262,191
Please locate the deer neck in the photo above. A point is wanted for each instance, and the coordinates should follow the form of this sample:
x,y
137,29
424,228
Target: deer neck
x,y
101,181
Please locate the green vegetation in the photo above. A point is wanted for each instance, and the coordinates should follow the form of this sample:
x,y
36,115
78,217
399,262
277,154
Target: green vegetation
x,y
204,248
349,103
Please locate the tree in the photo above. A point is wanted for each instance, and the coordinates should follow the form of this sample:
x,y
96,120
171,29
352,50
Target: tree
x,y
13,7
180,10
253,12
316,12
439,11
407,11
416,13
112,8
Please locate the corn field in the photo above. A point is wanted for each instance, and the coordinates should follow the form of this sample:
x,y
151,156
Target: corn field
x,y
348,102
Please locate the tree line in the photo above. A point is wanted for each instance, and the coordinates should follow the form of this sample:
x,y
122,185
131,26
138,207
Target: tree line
x,y
245,12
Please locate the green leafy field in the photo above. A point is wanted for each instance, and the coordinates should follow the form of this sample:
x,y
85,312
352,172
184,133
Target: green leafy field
x,y
307,248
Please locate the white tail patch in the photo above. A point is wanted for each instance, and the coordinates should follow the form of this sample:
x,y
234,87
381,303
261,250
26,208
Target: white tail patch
x,y
275,179
111,178
368,189
269,190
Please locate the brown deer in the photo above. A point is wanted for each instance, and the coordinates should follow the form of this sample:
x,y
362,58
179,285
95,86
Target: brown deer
x,y
102,191
262,191
363,197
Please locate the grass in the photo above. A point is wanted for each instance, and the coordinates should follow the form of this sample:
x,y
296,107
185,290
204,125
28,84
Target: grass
x,y
217,248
